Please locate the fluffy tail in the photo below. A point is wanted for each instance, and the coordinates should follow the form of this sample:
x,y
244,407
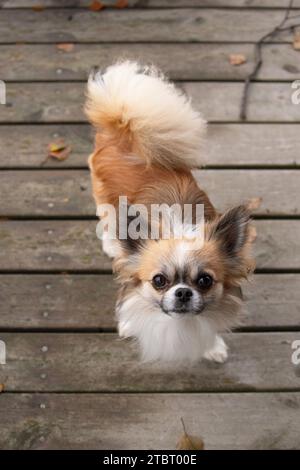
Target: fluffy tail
x,y
157,118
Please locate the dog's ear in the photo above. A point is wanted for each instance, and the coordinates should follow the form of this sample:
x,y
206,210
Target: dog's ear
x,y
133,234
232,230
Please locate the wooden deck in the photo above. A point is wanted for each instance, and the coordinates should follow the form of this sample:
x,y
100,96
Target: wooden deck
x,y
69,382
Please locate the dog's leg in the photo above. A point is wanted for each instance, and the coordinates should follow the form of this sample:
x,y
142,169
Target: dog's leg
x,y
219,351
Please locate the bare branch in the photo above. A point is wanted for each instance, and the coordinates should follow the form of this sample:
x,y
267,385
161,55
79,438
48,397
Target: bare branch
x,y
258,58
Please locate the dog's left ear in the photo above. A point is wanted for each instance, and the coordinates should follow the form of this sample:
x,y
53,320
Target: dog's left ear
x,y
232,230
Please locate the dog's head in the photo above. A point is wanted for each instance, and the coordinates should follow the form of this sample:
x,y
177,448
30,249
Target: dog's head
x,y
184,280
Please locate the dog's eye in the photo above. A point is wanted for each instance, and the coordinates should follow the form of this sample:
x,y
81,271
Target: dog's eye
x,y
159,281
205,281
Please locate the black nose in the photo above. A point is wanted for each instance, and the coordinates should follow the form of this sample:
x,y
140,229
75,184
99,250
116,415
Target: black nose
x,y
183,294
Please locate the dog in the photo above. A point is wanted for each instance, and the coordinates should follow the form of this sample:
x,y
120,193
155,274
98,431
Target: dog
x,y
176,294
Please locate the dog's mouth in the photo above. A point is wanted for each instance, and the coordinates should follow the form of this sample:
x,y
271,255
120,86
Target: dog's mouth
x,y
182,311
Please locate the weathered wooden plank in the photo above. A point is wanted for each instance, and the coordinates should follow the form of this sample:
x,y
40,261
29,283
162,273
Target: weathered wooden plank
x,y
253,144
270,299
68,193
51,245
39,193
149,421
61,301
222,101
218,101
103,362
227,145
209,3
227,187
88,301
72,245
140,25
30,149
24,62
151,3
43,102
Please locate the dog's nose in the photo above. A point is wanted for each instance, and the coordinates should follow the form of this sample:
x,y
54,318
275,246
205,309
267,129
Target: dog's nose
x,y
183,294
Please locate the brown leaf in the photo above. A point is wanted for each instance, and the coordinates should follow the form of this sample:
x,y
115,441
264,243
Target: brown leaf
x,y
56,146
65,46
254,203
237,59
96,5
38,8
188,442
59,150
62,154
296,42
252,234
121,4
1,388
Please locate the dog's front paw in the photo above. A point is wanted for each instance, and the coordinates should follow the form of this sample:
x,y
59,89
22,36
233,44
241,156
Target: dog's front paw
x,y
219,352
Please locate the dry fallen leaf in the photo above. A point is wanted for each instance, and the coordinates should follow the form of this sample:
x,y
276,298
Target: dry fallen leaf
x,y
121,4
252,234
188,442
38,8
254,203
96,5
59,150
1,388
57,146
237,59
66,47
296,42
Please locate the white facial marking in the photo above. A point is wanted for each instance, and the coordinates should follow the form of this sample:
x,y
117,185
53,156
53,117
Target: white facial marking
x,y
181,253
161,337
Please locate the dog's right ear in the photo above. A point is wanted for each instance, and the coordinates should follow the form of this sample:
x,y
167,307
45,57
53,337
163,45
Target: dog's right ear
x,y
133,229
232,230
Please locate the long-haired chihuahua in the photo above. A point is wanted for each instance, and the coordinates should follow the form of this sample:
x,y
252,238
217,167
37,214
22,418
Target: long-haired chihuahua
x,y
178,293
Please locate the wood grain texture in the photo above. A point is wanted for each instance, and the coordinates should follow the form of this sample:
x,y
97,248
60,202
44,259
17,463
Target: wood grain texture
x,y
31,148
149,421
226,145
68,193
191,44
140,25
51,245
152,3
88,301
62,245
218,101
104,363
24,62
221,102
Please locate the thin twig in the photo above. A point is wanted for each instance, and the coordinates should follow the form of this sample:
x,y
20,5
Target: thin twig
x,y
295,16
258,60
289,28
183,425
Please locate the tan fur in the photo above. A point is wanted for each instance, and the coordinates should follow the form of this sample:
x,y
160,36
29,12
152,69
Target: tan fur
x,y
159,121
149,169
113,174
